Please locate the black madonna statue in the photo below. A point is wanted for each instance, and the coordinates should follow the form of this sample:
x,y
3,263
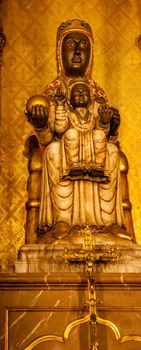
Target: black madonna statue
x,y
83,172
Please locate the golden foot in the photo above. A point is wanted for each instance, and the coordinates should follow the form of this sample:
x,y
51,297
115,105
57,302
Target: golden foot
x,y
119,231
61,230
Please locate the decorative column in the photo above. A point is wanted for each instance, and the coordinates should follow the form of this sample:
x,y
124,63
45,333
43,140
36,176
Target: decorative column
x,y
2,45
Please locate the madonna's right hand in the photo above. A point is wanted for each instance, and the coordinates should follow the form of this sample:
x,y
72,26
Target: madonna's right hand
x,y
38,117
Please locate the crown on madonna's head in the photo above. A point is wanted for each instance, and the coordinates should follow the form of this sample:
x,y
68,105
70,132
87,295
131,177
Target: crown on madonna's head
x,y
74,25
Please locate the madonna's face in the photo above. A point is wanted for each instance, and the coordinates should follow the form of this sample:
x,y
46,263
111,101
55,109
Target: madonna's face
x,y
75,54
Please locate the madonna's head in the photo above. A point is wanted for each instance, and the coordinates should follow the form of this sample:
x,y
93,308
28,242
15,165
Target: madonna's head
x,y
74,49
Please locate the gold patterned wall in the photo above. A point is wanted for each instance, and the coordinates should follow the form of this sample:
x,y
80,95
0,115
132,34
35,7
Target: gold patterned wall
x,y
29,64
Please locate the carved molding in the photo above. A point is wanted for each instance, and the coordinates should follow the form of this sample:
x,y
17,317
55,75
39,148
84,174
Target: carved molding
x,y
34,282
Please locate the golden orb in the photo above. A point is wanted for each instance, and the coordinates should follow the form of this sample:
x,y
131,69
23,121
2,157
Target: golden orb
x,y
39,100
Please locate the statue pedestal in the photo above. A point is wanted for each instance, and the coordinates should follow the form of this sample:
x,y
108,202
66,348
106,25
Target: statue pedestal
x,y
50,311
44,304
41,258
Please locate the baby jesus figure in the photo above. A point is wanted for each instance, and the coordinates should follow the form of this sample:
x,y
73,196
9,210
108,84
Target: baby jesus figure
x,y
84,153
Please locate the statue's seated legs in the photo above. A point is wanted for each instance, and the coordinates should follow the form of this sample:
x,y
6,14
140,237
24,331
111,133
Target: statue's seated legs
x,y
70,208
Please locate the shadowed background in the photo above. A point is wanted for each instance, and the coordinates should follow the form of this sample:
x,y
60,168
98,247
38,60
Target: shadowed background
x,y
29,65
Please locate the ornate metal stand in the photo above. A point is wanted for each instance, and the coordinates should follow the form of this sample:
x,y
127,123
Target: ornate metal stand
x,y
91,255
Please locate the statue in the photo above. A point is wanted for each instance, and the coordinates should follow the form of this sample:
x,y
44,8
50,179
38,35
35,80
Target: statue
x,y
77,132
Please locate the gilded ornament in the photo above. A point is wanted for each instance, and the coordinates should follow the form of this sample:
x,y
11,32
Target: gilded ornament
x,y
36,100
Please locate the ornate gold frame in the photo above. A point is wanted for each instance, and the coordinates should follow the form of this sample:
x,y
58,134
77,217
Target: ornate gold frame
x,y
77,322
65,337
